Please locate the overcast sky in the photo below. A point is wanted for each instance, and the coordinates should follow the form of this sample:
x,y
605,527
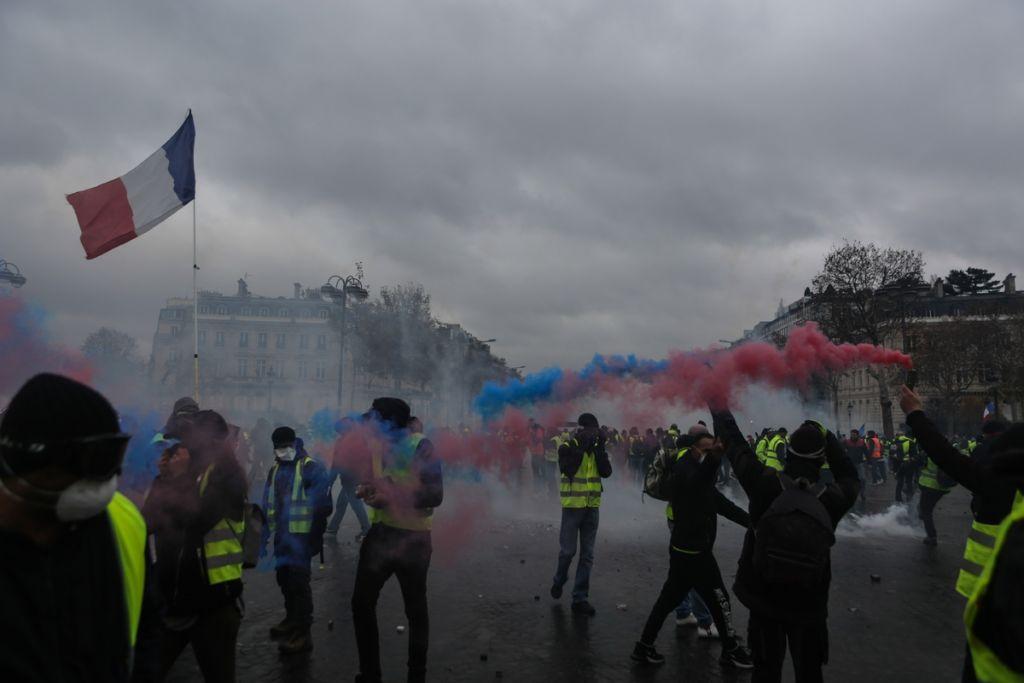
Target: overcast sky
x,y
568,177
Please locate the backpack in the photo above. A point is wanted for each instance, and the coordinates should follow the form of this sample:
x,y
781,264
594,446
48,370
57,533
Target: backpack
x,y
656,479
792,539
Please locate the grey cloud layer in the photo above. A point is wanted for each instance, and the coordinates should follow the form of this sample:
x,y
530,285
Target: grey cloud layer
x,y
568,177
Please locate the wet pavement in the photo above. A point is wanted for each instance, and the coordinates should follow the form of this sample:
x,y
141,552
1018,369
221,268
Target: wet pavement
x,y
492,618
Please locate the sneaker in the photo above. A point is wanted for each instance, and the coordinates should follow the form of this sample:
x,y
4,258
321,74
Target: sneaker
x,y
710,632
688,620
281,630
556,591
300,641
646,654
738,656
583,607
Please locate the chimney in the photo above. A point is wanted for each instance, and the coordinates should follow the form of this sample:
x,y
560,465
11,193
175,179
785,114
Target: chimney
x,y
937,288
1010,284
298,290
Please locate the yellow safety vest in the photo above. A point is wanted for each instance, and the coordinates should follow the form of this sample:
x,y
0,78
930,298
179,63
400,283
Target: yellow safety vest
x,y
130,534
399,470
551,455
584,489
987,665
929,477
770,454
222,545
300,512
669,512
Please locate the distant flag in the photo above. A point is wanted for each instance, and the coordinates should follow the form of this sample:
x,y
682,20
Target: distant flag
x,y
990,412
861,430
121,209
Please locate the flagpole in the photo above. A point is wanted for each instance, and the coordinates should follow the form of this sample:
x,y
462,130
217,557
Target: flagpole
x,y
195,308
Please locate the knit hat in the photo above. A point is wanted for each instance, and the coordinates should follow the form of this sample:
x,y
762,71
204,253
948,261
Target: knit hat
x,y
807,442
587,420
51,407
392,410
283,437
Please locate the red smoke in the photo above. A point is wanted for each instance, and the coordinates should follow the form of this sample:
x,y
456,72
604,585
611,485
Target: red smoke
x,y
25,351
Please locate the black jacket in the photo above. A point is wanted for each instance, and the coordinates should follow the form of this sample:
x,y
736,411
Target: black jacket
x,y
762,486
696,503
179,518
993,496
63,610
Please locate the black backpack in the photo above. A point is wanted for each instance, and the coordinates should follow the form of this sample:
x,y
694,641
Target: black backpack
x,y
656,479
793,537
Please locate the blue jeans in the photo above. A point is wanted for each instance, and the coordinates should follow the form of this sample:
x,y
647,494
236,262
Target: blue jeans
x,y
347,496
578,523
692,604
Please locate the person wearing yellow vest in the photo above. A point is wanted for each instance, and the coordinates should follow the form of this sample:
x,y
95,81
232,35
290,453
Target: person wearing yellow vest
x,y
583,463
75,581
297,502
402,488
993,495
774,453
907,463
195,512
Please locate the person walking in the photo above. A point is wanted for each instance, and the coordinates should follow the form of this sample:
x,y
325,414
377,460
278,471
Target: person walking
x,y
907,465
195,512
78,595
297,501
402,489
342,471
583,463
693,514
784,572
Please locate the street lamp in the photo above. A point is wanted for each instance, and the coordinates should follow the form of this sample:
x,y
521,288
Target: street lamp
x,y
10,274
338,289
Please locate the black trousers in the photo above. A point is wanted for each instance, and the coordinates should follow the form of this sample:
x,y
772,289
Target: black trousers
x,y
768,639
213,637
929,499
692,571
406,554
906,482
298,596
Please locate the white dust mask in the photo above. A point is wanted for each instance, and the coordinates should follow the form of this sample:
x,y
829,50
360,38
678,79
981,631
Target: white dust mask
x,y
285,454
84,499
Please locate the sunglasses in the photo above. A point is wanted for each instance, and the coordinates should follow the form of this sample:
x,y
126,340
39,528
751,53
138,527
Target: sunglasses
x,y
89,457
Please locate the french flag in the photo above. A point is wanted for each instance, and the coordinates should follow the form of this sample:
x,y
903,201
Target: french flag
x,y
989,413
121,209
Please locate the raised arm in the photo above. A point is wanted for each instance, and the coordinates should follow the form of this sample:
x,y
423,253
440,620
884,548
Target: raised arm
x,y
744,463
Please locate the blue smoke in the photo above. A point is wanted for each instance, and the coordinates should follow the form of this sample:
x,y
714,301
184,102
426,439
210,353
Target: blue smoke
x,y
540,386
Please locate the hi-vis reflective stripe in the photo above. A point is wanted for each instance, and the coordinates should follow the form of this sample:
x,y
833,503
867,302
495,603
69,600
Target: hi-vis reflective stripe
x,y
222,545
300,513
584,489
977,553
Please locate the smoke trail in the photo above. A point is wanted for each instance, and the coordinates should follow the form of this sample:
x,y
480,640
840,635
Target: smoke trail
x,y
691,380
25,350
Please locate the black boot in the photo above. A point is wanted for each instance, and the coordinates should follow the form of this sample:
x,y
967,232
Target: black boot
x,y
282,630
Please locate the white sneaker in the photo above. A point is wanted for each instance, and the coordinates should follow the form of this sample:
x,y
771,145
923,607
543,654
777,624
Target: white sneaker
x,y
709,632
688,620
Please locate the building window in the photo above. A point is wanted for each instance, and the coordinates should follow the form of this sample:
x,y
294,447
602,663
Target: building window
x,y
264,312
218,340
321,371
324,314
261,340
284,313
243,367
204,309
174,355
303,370
277,371
243,340
246,310
321,342
222,310
260,367
175,330
202,337
281,339
307,313
303,341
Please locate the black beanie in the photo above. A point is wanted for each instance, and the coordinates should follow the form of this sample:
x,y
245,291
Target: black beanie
x,y
807,442
392,410
283,437
587,420
51,407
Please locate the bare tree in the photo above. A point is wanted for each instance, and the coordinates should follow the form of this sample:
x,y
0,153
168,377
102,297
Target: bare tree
x,y
862,295
949,356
